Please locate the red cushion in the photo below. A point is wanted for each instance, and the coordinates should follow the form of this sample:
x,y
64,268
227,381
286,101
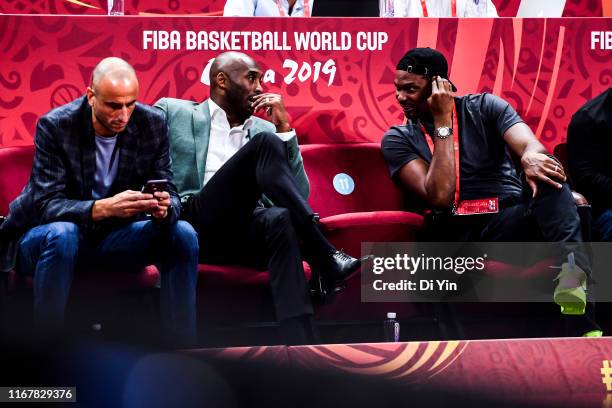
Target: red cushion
x,y
409,219
230,294
348,231
364,163
15,167
503,270
88,282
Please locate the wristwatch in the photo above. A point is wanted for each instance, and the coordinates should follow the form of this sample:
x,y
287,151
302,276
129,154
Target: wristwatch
x,y
443,132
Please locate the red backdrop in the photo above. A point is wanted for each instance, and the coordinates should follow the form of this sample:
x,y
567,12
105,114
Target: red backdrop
x,y
505,8
544,67
98,7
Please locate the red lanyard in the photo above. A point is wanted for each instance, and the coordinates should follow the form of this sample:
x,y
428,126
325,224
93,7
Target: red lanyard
x,y
453,8
456,150
306,9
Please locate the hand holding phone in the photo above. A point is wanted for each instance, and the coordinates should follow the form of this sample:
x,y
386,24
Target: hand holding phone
x,y
153,186
159,189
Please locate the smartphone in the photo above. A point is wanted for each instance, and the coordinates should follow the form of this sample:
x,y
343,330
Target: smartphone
x,y
155,185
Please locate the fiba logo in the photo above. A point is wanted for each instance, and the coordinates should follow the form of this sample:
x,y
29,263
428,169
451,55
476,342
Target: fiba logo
x,y
343,183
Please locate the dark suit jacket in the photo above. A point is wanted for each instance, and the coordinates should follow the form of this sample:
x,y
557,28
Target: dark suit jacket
x,y
589,144
62,177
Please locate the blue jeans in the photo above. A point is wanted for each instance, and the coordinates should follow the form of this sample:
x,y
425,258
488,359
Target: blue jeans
x,y
52,251
604,225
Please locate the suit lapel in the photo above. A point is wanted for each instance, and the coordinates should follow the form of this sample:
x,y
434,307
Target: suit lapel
x,y
201,135
88,153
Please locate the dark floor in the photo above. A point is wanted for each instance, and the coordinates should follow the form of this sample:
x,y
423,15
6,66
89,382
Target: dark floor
x,y
132,319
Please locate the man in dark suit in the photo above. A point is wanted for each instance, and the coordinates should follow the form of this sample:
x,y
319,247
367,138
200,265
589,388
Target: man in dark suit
x,y
224,159
82,203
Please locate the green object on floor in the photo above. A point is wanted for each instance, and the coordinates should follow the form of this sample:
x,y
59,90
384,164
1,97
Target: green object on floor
x,y
593,333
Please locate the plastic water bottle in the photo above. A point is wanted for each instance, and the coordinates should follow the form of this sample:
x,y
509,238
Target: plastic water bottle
x,y
392,328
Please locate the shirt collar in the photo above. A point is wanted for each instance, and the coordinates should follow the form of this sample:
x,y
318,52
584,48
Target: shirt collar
x,y
217,113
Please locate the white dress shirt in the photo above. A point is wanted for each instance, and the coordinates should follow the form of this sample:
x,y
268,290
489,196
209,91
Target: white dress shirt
x,y
225,141
264,8
442,8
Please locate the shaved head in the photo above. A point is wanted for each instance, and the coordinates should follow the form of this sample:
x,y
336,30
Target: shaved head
x,y
112,95
229,62
113,69
235,79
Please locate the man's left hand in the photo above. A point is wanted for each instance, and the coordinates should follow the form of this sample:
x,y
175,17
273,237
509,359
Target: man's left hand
x,y
163,203
540,168
272,105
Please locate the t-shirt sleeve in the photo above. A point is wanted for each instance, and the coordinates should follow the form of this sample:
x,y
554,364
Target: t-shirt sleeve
x,y
499,113
397,150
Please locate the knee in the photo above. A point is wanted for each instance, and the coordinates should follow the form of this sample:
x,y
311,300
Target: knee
x,y
184,238
279,218
561,196
270,141
279,224
64,236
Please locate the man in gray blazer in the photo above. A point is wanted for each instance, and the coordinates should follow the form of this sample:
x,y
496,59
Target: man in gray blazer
x,y
230,168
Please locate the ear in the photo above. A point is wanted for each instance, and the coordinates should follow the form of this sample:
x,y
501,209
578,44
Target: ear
x,y
90,96
222,80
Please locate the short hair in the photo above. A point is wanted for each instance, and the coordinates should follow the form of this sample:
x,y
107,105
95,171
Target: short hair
x,y
111,65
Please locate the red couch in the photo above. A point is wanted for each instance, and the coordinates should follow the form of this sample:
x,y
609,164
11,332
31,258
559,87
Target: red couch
x,y
247,291
230,294
372,211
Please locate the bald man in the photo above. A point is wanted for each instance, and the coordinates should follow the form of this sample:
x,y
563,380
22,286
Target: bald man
x,y
243,188
82,203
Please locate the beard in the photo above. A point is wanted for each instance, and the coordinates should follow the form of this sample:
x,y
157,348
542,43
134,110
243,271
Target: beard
x,y
108,126
239,103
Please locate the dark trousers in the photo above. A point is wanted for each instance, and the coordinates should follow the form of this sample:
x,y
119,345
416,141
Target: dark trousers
x,y
51,253
604,226
551,217
234,228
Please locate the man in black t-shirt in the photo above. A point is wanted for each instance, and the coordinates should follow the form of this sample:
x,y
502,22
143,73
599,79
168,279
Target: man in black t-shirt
x,y
495,204
589,144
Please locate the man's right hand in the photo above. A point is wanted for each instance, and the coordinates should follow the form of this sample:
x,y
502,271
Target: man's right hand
x,y
123,205
441,101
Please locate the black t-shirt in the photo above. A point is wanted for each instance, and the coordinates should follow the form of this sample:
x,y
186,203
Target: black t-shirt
x,y
487,169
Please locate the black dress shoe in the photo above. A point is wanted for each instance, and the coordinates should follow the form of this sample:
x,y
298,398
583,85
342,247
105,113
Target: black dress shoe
x,y
344,266
331,277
